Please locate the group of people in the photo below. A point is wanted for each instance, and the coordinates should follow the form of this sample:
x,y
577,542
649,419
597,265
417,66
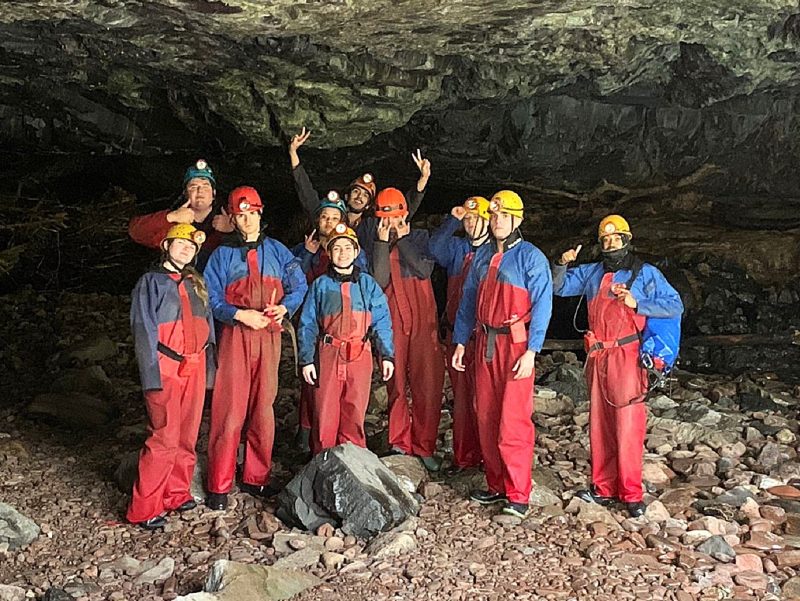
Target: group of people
x,y
210,314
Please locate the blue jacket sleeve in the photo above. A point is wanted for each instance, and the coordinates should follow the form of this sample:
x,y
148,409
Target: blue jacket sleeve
x,y
540,288
655,296
293,280
381,318
441,242
145,332
215,276
570,281
466,315
308,328
361,262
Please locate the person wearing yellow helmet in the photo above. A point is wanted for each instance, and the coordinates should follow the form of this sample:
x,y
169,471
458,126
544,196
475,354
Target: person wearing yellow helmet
x,y
342,307
173,334
625,298
507,302
196,207
455,253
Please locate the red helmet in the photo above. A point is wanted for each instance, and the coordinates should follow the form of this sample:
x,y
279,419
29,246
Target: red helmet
x,y
390,202
244,199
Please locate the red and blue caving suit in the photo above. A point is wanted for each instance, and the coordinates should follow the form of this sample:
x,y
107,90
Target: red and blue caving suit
x,y
617,383
510,296
149,230
314,265
338,316
403,269
247,276
455,255
174,336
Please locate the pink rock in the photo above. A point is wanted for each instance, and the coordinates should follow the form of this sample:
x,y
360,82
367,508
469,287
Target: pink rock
x,y
749,562
756,581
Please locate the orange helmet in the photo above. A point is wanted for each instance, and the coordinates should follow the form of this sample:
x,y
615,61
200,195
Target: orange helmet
x,y
367,183
390,202
244,199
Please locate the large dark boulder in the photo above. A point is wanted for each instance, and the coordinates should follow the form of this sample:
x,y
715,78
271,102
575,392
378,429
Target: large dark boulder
x,y
349,487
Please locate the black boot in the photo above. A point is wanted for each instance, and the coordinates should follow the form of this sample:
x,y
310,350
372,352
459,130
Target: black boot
x,y
186,505
636,510
155,523
264,491
589,495
217,501
486,497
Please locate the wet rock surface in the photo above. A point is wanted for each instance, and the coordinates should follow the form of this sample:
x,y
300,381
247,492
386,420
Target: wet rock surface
x,y
723,516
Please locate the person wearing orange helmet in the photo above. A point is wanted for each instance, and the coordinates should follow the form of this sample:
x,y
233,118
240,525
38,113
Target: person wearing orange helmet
x,y
402,266
360,194
508,295
624,296
455,254
173,334
196,207
254,282
343,307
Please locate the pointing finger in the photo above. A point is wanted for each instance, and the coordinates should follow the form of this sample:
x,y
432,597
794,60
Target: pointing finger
x,y
578,249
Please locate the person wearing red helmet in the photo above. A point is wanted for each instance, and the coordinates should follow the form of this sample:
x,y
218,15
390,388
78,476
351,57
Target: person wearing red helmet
x,y
173,334
508,295
342,308
254,282
455,254
196,207
360,195
402,266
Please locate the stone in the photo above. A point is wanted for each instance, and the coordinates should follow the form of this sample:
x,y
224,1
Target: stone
x,y
90,380
57,594
158,573
656,512
785,491
11,593
408,469
717,548
756,581
788,559
92,350
233,581
333,561
74,410
391,544
711,524
785,436
657,474
16,530
349,486
764,541
300,559
553,406
695,537
589,513
749,562
379,399
541,496
791,589
661,403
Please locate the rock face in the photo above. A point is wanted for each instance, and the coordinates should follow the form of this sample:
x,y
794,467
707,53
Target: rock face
x,y
630,92
350,487
16,530
232,581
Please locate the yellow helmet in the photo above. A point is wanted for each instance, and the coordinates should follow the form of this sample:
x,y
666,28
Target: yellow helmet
x,y
477,205
342,231
613,224
185,231
506,201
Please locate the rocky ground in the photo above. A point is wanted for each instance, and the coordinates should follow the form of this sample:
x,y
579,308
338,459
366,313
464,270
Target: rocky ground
x,y
723,519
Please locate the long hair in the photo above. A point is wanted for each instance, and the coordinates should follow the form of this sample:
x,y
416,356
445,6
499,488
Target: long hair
x,y
198,283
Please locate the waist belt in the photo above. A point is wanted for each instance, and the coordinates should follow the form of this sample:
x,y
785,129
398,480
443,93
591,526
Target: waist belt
x,y
347,348
593,344
188,363
491,337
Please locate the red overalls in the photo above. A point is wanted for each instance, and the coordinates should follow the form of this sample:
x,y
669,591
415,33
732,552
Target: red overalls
x,y
246,386
617,384
466,444
166,463
419,363
503,405
345,370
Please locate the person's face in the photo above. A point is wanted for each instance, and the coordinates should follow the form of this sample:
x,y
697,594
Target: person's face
x,y
343,253
327,220
395,222
358,198
503,224
199,193
181,252
248,223
473,225
612,242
